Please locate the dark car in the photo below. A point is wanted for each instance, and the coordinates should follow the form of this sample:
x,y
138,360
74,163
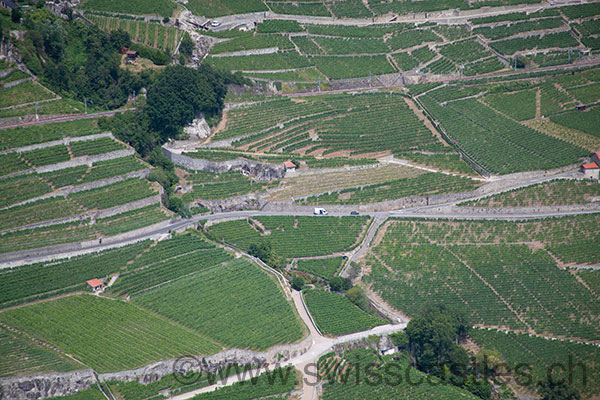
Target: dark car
x,y
354,213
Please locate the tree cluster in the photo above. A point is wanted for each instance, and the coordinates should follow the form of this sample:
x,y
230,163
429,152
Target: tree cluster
x,y
433,341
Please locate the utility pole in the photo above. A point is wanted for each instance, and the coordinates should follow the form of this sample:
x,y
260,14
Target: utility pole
x,y
569,55
369,78
516,63
36,112
134,97
319,83
85,104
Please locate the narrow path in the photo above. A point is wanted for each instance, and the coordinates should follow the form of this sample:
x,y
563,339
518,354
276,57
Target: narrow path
x,y
364,245
68,117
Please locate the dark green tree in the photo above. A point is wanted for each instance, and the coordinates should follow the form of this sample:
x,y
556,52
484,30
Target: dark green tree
x,y
187,46
179,94
15,15
119,39
339,284
297,283
550,390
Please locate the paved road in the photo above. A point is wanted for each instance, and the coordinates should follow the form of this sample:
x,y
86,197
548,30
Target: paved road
x,y
66,118
436,211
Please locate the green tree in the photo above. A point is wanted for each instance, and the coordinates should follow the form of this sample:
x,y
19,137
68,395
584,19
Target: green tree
x,y
187,46
550,390
433,335
119,39
16,15
339,284
297,283
180,93
358,297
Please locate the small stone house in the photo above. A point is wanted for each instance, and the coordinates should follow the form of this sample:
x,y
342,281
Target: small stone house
x,y
95,284
591,171
289,166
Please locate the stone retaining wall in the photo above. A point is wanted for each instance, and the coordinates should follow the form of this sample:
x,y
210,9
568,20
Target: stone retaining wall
x,y
65,141
254,52
85,186
92,214
86,160
16,83
257,170
46,385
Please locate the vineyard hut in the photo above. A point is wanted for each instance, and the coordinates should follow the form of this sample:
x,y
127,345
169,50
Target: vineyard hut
x,y
596,157
95,284
289,166
132,55
590,171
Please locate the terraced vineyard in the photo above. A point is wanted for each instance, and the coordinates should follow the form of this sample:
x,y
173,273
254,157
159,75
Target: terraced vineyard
x,y
332,123
555,193
423,185
499,285
340,386
325,268
320,235
128,336
237,304
81,230
335,314
502,145
540,354
22,284
20,356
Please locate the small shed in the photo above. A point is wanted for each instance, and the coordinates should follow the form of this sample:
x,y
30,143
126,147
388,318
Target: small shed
x,y
289,166
124,50
9,4
591,171
95,284
132,55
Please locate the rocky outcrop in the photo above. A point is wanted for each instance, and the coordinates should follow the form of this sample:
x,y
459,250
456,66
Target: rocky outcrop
x,y
261,172
238,203
46,385
198,129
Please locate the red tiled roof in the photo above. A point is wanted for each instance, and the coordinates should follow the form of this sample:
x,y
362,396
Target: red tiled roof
x,y
94,283
597,154
289,164
591,165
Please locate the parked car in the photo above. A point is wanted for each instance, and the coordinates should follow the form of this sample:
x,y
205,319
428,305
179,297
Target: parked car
x,y
215,24
354,213
320,211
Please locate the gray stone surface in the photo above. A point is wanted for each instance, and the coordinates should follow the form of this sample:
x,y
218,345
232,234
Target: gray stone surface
x,y
258,171
46,385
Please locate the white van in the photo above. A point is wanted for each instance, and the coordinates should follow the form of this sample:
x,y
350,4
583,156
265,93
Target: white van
x,y
320,211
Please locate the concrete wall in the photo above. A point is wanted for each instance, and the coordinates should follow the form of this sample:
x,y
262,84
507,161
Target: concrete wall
x,y
16,83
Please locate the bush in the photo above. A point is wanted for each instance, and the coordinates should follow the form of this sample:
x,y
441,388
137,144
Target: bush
x,y
358,297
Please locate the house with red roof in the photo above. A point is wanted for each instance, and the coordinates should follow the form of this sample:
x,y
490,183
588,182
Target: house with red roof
x,y
591,170
95,284
289,166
